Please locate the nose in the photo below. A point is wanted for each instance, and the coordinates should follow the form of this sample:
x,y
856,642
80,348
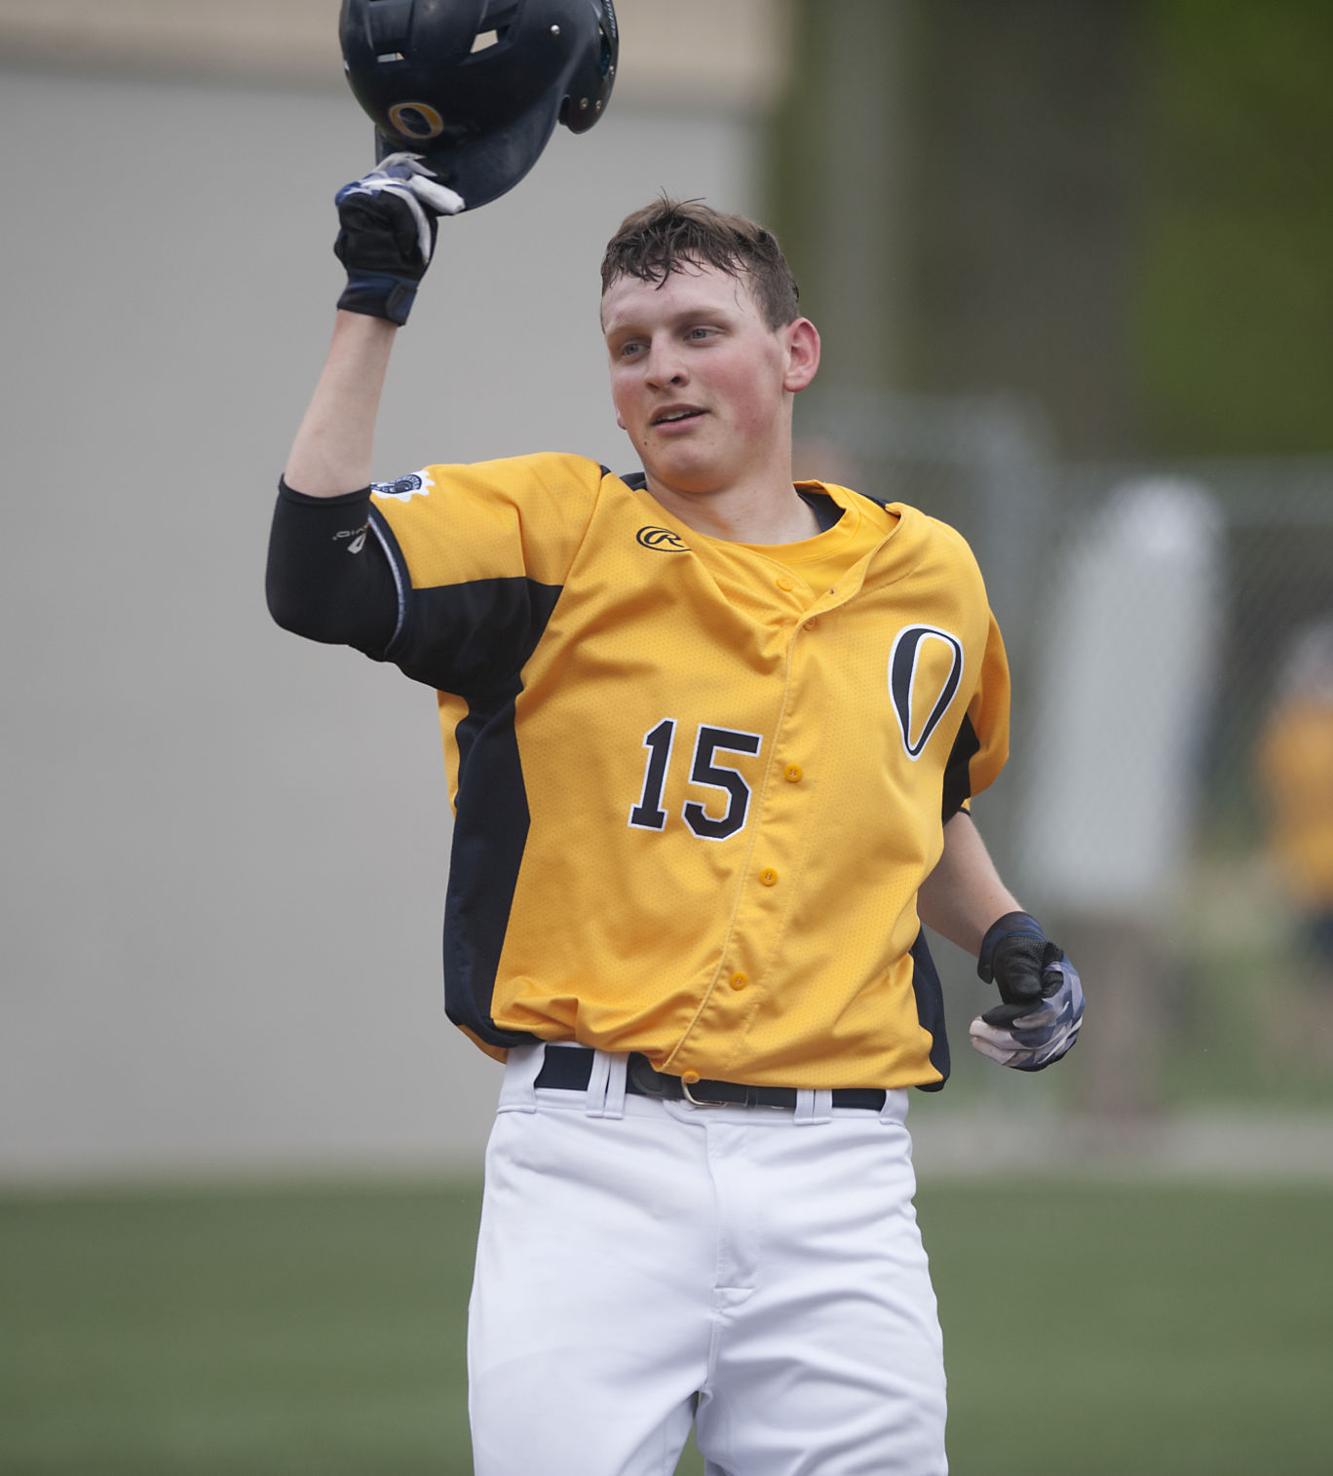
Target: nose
x,y
666,366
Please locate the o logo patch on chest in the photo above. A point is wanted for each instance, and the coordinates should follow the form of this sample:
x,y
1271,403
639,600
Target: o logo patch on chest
x,y
661,539
925,671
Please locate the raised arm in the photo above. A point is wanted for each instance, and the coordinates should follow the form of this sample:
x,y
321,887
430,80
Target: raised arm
x,y
327,578
386,239
332,450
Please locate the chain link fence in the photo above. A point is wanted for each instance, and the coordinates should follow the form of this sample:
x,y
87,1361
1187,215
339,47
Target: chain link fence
x,y
1169,805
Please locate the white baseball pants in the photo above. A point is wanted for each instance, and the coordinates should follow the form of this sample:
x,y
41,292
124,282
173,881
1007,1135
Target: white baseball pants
x,y
642,1264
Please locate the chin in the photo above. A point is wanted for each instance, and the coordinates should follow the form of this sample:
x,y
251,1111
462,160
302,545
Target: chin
x,y
694,475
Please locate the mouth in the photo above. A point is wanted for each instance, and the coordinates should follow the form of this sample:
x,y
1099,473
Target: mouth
x,y
677,415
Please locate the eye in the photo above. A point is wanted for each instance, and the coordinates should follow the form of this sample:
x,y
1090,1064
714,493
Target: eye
x,y
629,348
700,333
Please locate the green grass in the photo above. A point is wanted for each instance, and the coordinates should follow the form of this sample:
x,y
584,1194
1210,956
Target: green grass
x,y
252,1331
1106,1329
1091,1328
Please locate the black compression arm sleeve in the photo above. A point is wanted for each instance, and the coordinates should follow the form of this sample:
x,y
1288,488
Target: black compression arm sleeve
x,y
328,576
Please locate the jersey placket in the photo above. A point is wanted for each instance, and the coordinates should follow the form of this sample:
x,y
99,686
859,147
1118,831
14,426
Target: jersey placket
x,y
770,879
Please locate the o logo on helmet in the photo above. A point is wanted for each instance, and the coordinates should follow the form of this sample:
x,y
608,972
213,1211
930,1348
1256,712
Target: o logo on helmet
x,y
416,120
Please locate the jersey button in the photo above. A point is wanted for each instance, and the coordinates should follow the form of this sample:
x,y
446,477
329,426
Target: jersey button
x,y
689,1077
811,623
768,876
793,773
784,583
738,981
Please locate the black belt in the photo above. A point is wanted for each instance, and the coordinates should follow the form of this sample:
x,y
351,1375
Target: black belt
x,y
568,1068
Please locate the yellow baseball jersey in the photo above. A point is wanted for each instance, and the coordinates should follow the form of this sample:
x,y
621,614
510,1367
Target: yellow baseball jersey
x,y
693,799
819,562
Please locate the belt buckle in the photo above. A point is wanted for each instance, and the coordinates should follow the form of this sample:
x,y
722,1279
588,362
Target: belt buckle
x,y
695,1101
749,1104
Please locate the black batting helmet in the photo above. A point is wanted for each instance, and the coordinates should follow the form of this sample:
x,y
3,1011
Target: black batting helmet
x,y
477,86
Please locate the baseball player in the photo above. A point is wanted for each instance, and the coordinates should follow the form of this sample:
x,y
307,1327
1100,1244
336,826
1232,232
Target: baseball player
x,y
711,739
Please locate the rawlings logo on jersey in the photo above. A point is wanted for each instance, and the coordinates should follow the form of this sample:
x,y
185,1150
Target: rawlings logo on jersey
x,y
661,539
405,488
925,671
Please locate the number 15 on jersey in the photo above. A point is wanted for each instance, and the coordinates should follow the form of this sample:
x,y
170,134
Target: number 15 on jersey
x,y
705,771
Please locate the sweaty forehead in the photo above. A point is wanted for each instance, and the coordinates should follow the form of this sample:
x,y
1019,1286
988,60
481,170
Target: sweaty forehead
x,y
631,302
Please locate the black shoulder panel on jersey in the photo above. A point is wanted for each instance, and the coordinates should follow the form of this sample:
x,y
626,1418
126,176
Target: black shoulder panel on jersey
x,y
492,817
473,638
930,1010
636,481
490,832
957,773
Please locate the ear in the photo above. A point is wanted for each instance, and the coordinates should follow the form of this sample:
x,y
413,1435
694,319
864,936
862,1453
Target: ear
x,y
802,355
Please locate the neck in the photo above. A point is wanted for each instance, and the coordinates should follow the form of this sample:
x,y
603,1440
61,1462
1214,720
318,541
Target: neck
x,y
750,514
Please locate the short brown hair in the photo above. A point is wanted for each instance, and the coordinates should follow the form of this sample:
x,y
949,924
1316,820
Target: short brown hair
x,y
670,235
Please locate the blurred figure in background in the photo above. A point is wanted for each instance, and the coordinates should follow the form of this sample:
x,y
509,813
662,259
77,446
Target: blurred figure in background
x,y
1295,761
1128,671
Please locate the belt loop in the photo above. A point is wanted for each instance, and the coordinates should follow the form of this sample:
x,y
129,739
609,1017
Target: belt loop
x,y
613,1099
813,1107
594,1098
518,1094
894,1110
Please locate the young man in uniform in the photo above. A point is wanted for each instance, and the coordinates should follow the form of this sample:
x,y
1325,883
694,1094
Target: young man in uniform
x,y
711,738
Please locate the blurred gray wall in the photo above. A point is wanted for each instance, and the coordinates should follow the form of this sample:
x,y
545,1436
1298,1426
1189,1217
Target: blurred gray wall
x,y
225,849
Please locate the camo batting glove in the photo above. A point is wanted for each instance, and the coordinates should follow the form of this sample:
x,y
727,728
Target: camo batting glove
x,y
1042,1011
388,221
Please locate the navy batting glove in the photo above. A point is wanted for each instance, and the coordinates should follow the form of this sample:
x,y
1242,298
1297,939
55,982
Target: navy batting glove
x,y
387,237
1042,1011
